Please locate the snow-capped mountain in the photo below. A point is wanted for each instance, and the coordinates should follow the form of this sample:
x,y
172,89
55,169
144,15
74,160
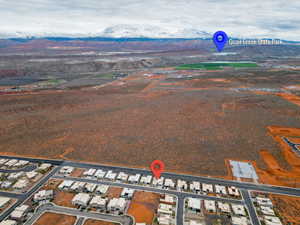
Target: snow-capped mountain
x,y
119,31
124,30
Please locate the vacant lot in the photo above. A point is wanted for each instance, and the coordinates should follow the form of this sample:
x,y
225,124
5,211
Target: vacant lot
x,y
143,206
55,219
288,208
134,121
114,192
98,222
64,199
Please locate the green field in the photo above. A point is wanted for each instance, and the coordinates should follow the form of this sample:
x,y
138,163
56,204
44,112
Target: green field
x,y
215,65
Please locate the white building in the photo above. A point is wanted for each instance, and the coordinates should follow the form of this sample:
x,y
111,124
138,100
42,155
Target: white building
x,y
127,193
241,220
20,212
207,187
220,189
182,185
193,222
146,179
267,210
15,176
102,189
6,184
4,201
66,185
169,183
31,174
99,174
264,201
122,176
90,187
21,163
158,182
78,186
8,222
117,204
210,205
3,161
44,166
168,199
81,199
11,163
238,209
233,191
89,173
195,186
98,202
194,204
164,209
134,178
111,175
272,220
224,207
66,170
43,195
21,184
164,219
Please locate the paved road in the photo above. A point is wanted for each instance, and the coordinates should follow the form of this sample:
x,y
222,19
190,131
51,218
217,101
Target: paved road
x,y
152,189
125,220
23,197
180,195
250,206
292,145
24,169
211,180
242,185
80,221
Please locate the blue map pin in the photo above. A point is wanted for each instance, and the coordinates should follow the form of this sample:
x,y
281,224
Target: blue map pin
x,y
220,39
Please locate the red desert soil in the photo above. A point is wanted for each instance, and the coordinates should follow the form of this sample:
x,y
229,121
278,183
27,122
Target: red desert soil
x,y
143,206
275,174
55,219
288,208
114,192
202,124
64,199
98,222
77,172
290,97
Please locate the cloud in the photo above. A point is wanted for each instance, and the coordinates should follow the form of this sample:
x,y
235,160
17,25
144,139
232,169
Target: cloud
x,y
256,18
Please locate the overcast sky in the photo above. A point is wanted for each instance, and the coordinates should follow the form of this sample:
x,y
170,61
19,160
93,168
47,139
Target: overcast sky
x,y
239,18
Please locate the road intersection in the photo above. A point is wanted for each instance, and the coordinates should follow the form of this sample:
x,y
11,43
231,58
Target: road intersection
x,y
245,187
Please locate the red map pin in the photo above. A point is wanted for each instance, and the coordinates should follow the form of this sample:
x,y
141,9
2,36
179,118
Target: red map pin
x,y
157,167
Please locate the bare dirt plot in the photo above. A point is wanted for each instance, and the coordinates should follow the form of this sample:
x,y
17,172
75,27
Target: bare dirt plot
x,y
143,206
114,125
55,219
52,184
288,208
275,173
77,172
114,192
64,199
98,222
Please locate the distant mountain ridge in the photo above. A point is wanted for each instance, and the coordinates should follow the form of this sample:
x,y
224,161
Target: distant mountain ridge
x,y
120,33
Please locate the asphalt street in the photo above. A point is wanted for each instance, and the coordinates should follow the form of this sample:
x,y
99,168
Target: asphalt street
x,y
250,207
125,220
245,187
22,197
25,169
80,221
